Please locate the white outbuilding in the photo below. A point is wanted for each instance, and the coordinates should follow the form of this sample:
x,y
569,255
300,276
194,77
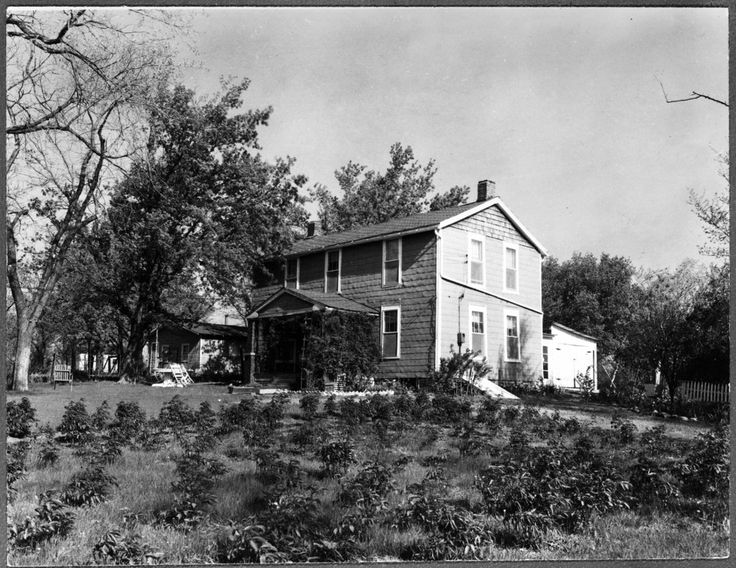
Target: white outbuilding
x,y
567,356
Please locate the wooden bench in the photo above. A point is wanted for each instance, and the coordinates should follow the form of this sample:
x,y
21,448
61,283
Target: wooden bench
x,y
60,373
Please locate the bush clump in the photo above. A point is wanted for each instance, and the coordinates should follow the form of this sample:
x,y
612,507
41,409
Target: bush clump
x,y
20,418
76,423
51,519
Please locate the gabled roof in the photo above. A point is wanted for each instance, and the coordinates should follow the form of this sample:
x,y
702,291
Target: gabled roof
x,y
312,301
572,331
408,225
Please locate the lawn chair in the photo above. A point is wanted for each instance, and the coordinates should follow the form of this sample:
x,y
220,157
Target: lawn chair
x,y
60,373
180,374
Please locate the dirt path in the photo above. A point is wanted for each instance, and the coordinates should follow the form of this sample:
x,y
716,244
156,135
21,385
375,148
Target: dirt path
x,y
600,415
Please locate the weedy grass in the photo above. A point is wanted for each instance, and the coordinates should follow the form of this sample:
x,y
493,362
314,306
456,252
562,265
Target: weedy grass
x,y
435,462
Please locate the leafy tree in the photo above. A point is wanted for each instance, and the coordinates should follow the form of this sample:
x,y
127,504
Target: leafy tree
x,y
195,214
75,85
456,195
369,197
708,346
661,332
593,296
714,214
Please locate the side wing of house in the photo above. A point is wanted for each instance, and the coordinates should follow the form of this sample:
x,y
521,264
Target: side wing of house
x,y
570,354
490,299
396,276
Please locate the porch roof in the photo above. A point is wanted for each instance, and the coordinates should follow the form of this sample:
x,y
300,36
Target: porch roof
x,y
215,331
287,301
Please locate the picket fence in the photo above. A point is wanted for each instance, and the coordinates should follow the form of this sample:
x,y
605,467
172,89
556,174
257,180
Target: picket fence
x,y
705,392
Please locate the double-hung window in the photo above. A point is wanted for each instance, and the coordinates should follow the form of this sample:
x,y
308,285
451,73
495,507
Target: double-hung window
x,y
476,259
333,260
291,279
392,262
510,267
513,345
391,332
478,329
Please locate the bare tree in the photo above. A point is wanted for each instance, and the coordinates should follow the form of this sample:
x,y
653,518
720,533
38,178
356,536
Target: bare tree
x,y
77,89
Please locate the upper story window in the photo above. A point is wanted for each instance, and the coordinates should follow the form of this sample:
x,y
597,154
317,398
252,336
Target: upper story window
x,y
510,267
333,261
391,332
513,346
476,258
291,278
392,262
477,329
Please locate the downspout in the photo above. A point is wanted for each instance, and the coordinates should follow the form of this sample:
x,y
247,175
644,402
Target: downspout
x,y
438,298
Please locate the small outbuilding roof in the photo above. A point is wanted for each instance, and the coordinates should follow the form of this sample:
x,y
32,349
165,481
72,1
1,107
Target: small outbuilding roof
x,y
408,225
572,331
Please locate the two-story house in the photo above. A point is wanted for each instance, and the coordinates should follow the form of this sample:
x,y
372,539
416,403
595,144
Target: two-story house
x,y
465,277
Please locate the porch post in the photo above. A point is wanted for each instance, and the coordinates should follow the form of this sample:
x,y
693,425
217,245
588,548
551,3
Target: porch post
x,y
252,354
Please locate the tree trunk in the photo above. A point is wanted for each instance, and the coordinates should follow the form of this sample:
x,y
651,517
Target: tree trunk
x,y
131,363
22,357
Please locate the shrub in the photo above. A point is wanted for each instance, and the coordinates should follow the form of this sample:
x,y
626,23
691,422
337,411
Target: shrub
x,y
336,457
331,405
76,424
651,482
51,519
89,487
624,430
247,544
459,372
104,450
129,420
236,416
101,417
471,442
448,409
309,435
48,453
353,412
272,470
368,489
193,490
422,405
176,414
380,407
551,489
114,548
16,465
20,418
704,472
309,404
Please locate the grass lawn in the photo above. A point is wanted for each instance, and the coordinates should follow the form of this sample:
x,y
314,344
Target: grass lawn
x,y
415,472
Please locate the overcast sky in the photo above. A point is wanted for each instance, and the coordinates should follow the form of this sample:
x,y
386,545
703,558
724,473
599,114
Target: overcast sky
x,y
559,106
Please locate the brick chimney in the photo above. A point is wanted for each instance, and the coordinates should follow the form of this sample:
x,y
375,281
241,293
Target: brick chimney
x,y
312,229
486,190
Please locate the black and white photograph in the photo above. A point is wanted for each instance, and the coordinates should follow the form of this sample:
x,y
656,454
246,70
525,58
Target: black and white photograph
x,y
298,284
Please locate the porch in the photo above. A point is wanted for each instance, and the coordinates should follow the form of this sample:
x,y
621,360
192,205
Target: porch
x,y
285,328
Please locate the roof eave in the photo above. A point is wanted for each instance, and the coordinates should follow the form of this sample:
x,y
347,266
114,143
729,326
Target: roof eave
x,y
506,211
371,239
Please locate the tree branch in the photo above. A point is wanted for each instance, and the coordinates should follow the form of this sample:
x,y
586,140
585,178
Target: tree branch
x,y
693,96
